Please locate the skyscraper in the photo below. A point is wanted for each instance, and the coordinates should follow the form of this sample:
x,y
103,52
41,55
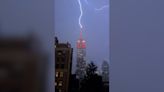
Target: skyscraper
x,y
63,65
105,75
105,71
81,57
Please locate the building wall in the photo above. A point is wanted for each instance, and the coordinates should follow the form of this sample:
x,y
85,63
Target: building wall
x,y
19,66
20,17
63,63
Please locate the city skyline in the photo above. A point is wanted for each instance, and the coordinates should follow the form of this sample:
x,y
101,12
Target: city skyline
x,y
95,28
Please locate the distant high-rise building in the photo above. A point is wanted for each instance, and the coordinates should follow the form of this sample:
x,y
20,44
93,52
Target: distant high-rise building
x,y
63,65
105,71
105,75
81,57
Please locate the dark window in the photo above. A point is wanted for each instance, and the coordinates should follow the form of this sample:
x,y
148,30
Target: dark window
x,y
57,59
62,66
57,66
64,52
63,59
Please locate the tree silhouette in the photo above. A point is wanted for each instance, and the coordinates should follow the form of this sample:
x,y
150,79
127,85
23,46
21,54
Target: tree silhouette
x,y
92,82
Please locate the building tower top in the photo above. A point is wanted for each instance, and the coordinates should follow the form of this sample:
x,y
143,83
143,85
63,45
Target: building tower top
x,y
81,43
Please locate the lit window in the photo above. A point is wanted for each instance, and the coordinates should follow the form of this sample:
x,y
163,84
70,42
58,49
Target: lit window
x,y
57,74
55,83
59,53
60,83
61,74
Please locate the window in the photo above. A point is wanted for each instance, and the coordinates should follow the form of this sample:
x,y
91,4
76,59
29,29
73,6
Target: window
x,y
57,59
61,74
59,52
62,66
57,74
56,84
60,83
57,66
63,59
64,52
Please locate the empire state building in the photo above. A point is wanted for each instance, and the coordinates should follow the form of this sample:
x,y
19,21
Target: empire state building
x,y
81,57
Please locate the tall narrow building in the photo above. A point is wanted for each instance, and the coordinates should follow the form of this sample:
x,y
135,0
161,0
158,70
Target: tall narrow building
x,y
63,65
105,75
81,57
105,71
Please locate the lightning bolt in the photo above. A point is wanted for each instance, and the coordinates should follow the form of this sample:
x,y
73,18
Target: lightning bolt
x,y
81,11
101,8
81,14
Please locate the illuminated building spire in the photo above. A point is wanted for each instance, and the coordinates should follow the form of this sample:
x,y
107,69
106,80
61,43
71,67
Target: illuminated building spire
x,y
81,56
81,43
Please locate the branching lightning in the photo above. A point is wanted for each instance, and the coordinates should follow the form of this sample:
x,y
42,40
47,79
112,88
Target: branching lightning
x,y
101,8
81,11
81,14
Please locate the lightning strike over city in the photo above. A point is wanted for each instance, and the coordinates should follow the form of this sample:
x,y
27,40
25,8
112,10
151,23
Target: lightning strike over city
x,y
81,11
81,39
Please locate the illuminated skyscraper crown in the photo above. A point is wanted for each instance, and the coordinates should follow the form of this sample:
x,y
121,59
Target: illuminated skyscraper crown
x,y
81,43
